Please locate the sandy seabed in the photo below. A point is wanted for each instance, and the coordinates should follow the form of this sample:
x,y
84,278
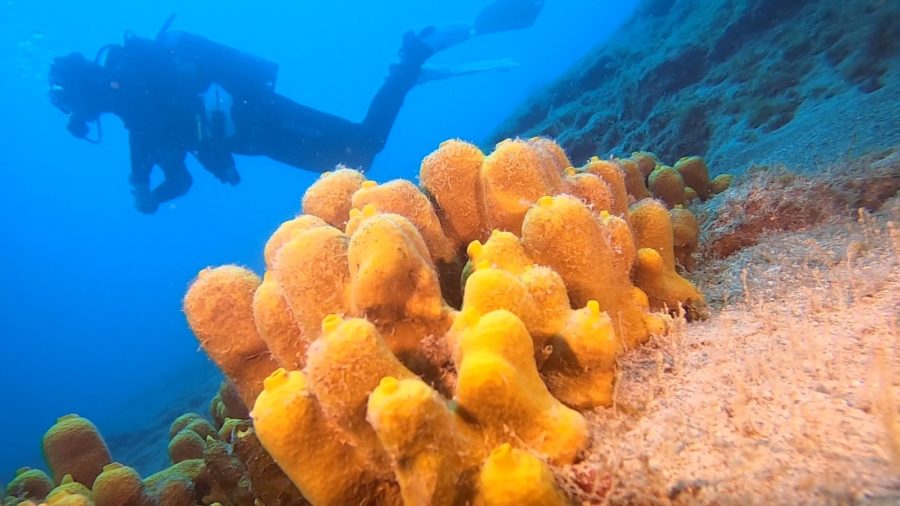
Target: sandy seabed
x,y
788,394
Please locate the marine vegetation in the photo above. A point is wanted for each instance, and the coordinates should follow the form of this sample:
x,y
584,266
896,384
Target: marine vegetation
x,y
432,344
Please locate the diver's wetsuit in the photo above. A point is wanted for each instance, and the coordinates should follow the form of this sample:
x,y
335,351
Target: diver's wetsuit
x,y
157,88
304,137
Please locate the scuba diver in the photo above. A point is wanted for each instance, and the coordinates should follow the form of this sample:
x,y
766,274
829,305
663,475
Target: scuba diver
x,y
181,93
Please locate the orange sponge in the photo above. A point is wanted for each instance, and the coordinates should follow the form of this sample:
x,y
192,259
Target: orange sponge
x,y
330,196
276,326
219,309
612,175
313,277
402,197
513,177
591,189
450,176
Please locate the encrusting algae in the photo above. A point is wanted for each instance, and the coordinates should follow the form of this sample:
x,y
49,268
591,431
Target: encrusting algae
x,y
433,345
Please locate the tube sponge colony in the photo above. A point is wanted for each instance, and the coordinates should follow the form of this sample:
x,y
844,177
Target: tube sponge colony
x,y
378,390
655,271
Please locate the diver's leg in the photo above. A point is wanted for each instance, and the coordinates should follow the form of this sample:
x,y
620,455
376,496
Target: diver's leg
x,y
388,100
297,135
306,138
177,180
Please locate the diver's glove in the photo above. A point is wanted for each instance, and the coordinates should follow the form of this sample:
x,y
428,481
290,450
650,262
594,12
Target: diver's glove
x,y
220,163
145,201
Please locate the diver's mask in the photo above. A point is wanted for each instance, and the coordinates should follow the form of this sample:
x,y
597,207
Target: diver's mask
x,y
75,88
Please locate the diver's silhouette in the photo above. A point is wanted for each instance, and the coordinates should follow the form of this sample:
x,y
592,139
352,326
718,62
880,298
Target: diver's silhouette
x,y
181,93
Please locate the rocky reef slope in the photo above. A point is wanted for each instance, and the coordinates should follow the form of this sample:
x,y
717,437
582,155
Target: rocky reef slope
x,y
739,82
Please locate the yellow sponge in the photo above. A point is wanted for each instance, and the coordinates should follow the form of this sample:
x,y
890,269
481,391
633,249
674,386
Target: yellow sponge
x,y
286,231
343,366
500,388
655,271
646,161
592,190
635,180
431,450
391,272
593,262
553,155
512,477
536,294
581,371
686,235
186,445
502,250
489,289
695,174
29,484
721,183
119,485
290,425
70,492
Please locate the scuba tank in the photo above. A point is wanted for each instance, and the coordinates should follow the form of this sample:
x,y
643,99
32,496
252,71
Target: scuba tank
x,y
239,73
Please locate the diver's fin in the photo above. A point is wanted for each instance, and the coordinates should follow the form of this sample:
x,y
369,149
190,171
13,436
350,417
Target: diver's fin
x,y
498,16
506,15
437,72
440,37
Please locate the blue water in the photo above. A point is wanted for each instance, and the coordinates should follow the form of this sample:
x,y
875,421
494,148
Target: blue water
x,y
90,306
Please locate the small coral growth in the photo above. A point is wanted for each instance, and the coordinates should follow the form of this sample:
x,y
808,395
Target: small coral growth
x,y
219,462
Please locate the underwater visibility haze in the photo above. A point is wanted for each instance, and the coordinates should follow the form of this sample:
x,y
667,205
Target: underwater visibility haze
x,y
648,254
92,310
